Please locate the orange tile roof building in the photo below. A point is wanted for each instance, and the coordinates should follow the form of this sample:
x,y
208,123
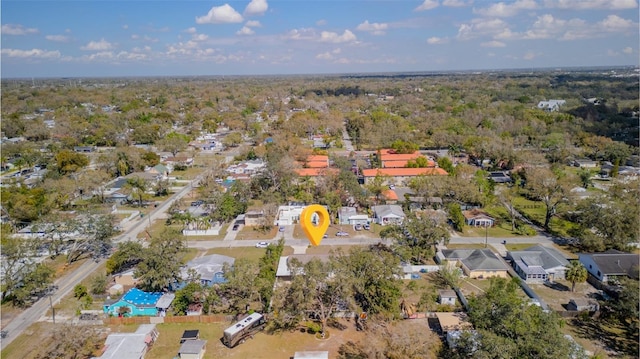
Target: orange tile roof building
x,y
317,161
314,172
399,175
390,159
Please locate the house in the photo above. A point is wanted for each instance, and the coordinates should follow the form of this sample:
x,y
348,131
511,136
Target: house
x,y
583,305
390,196
208,268
192,349
284,264
585,163
139,303
397,176
130,345
390,159
190,335
84,149
477,218
608,265
538,264
348,215
315,172
499,177
316,161
388,214
447,297
551,105
160,170
475,263
254,218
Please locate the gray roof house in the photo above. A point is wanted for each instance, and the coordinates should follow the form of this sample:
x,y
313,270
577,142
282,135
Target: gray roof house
x,y
538,263
209,268
476,263
610,264
388,214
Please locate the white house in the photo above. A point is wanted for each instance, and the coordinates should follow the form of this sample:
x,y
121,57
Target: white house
x,y
610,264
388,214
551,105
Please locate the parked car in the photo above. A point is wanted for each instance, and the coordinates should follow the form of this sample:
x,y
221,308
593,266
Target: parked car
x,y
197,203
262,245
342,234
357,227
235,227
366,226
281,229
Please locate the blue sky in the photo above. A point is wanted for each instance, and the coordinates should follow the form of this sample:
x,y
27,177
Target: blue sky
x,y
171,38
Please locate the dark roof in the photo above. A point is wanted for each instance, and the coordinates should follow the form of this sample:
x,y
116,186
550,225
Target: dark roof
x,y
191,334
483,259
614,262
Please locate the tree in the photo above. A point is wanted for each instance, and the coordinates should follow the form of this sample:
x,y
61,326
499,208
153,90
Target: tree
x,y
585,177
243,285
232,140
576,273
68,161
456,216
173,142
138,187
128,255
624,306
162,261
185,296
419,238
92,235
510,328
72,341
34,280
446,164
545,186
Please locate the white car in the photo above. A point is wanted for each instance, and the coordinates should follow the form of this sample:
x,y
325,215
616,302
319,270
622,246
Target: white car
x,y
342,234
262,245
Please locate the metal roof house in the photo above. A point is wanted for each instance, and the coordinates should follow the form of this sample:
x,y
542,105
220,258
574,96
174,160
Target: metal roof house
x,y
130,345
539,263
140,303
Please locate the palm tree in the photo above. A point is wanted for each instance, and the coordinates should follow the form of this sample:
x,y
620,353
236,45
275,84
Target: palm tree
x,y
576,273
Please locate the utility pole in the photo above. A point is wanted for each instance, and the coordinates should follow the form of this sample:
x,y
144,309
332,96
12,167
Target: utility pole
x,y
53,310
486,233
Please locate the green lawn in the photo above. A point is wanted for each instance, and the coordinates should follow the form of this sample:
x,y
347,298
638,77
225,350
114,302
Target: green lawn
x,y
535,211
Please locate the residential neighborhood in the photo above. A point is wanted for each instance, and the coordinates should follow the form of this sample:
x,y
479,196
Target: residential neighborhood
x,y
175,216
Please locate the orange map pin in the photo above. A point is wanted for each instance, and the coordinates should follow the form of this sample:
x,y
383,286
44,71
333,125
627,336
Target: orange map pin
x,y
314,231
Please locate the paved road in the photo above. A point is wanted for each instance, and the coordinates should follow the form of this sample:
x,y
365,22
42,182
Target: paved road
x,y
66,283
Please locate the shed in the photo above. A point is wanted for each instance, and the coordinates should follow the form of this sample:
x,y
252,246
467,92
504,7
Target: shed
x,y
453,321
311,355
447,297
192,349
582,304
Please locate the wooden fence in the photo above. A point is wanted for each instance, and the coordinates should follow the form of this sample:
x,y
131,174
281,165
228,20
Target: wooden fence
x,y
216,318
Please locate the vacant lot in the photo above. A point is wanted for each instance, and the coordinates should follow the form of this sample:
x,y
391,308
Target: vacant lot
x,y
263,345
560,294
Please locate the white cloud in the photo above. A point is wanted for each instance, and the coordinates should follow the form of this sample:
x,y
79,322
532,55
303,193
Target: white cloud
x,y
33,53
321,22
493,43
529,55
301,34
347,36
427,5
245,31
614,23
191,30
58,38
101,45
628,50
482,27
455,3
256,7
437,40
325,56
10,29
591,4
502,9
612,53
125,26
224,14
253,23
375,28
199,37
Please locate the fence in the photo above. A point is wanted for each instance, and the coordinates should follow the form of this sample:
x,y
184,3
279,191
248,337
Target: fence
x,y
219,318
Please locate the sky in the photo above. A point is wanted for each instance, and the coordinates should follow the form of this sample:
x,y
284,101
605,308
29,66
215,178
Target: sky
x,y
113,38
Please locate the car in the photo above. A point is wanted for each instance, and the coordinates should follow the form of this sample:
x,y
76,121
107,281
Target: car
x,y
281,229
366,227
342,234
357,227
235,227
262,245
392,186
325,236
197,203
